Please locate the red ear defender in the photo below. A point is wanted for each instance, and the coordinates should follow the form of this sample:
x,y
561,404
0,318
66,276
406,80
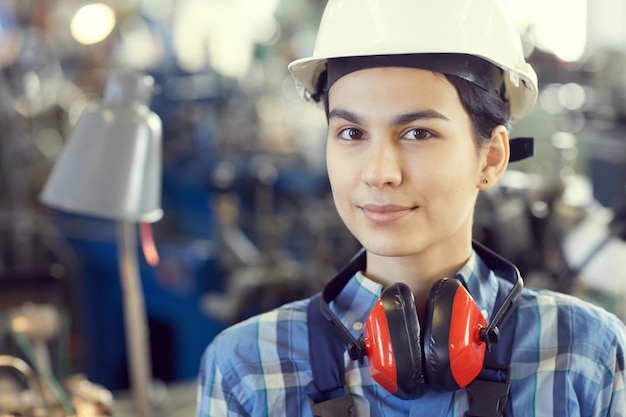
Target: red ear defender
x,y
380,354
453,353
392,343
453,350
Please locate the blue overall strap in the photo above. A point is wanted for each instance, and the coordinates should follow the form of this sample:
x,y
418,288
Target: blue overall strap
x,y
326,392
489,392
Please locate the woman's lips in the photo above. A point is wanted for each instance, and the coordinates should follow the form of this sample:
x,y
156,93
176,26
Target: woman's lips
x,y
385,214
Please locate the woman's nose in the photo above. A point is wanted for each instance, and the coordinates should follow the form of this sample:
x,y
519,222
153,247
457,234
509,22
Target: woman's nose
x,y
382,166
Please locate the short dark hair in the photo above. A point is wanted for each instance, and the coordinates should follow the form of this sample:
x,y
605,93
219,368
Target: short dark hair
x,y
486,109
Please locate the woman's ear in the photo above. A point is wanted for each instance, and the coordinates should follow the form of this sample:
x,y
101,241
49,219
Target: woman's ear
x,y
496,159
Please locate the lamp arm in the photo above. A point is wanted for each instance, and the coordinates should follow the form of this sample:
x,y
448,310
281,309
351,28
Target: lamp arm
x,y
135,318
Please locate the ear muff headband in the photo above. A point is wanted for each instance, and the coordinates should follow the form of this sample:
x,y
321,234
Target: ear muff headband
x,y
356,349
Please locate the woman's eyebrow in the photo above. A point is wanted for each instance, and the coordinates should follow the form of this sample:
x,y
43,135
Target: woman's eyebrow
x,y
402,119
407,118
339,113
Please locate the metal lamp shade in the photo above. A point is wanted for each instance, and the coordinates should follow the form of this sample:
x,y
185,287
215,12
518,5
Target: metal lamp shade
x,y
111,165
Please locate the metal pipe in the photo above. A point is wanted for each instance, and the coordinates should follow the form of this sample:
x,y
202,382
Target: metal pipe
x,y
135,318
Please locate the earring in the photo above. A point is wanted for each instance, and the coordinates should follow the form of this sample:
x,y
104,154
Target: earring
x,y
485,181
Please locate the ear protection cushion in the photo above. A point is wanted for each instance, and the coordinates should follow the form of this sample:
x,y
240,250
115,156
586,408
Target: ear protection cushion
x,y
404,331
436,335
453,351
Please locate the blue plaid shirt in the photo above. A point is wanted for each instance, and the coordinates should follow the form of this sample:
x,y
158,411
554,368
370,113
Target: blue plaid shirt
x,y
567,360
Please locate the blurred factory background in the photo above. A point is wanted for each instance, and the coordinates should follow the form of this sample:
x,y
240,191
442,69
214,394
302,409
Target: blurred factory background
x,y
248,219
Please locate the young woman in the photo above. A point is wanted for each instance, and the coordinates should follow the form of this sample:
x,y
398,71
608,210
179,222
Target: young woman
x,y
418,95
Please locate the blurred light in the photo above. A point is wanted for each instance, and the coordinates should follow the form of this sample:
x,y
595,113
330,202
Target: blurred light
x,y
264,28
138,47
92,23
540,209
578,191
21,324
222,34
572,96
558,26
563,140
49,142
267,32
606,24
549,99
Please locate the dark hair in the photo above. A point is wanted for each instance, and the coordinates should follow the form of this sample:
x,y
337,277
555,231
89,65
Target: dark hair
x,y
486,109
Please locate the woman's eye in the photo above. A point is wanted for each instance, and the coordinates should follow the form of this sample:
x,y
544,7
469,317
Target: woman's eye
x,y
351,133
418,134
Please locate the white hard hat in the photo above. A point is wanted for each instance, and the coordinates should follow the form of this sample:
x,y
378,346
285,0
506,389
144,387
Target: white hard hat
x,y
481,28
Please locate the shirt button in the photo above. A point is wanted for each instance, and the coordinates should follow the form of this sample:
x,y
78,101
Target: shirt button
x,y
357,326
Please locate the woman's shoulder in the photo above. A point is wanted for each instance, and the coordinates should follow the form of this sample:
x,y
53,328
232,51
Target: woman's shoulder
x,y
538,298
259,352
567,317
570,348
264,330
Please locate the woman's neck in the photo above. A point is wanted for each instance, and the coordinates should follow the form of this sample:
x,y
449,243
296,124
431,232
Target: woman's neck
x,y
419,271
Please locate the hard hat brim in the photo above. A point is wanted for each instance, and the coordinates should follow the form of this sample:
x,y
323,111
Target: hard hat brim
x,y
520,84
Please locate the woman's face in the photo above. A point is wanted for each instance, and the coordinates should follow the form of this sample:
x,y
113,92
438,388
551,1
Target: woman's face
x,y
403,167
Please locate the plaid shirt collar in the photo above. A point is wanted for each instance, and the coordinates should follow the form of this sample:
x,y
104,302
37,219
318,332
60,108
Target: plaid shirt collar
x,y
361,293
